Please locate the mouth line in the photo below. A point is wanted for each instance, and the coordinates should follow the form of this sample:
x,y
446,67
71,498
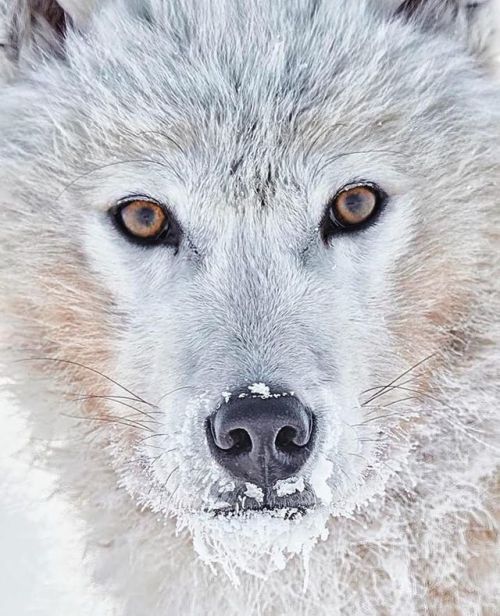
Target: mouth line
x,y
288,506
282,512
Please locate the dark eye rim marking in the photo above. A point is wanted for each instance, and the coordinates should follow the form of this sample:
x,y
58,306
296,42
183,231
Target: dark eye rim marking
x,y
331,226
170,235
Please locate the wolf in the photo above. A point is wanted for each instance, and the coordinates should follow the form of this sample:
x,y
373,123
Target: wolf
x,y
250,294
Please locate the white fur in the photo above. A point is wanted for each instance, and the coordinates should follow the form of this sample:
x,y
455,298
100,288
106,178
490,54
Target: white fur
x,y
164,98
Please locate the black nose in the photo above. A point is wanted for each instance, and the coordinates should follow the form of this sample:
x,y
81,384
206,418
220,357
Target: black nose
x,y
261,439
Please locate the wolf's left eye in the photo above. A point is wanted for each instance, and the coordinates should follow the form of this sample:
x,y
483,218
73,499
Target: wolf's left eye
x,y
353,207
146,222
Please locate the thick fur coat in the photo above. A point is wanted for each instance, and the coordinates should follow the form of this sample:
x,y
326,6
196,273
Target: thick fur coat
x,y
246,117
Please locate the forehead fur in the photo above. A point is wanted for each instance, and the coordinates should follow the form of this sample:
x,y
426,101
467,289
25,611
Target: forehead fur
x,y
212,72
234,103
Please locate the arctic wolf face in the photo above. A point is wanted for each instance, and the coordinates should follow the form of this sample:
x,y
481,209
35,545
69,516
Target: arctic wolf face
x,y
247,237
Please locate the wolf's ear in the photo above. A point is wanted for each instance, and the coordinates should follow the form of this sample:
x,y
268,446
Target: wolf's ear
x,y
41,25
474,23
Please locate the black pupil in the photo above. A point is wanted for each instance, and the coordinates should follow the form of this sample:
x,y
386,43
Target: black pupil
x,y
358,204
146,216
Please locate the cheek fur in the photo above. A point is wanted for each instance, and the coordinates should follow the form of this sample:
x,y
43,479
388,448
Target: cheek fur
x,y
431,309
66,323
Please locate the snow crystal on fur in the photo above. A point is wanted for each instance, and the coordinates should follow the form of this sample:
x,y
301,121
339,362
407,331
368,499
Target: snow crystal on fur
x,y
246,118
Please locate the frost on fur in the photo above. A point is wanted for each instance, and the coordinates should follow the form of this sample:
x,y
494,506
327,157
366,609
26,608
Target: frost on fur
x,y
244,121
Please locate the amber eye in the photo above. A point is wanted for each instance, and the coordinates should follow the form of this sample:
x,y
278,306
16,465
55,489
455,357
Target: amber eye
x,y
145,220
355,205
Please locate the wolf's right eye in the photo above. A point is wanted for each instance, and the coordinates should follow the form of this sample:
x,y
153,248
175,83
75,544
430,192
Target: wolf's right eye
x,y
146,222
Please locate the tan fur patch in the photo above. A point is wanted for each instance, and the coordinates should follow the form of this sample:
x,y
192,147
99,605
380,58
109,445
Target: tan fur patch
x,y
434,303
64,329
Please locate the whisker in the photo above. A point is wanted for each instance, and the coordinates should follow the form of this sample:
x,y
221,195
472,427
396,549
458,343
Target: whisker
x,y
387,390
173,391
129,424
378,418
384,406
342,470
166,482
323,134
422,361
111,399
75,363
172,496
422,394
132,417
453,421
163,453
336,157
113,164
384,386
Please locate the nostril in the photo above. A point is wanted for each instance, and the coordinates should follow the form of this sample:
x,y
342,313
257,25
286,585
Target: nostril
x,y
227,439
285,439
242,443
292,440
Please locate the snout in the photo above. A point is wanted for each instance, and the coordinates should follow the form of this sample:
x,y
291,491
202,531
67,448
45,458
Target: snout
x,y
261,439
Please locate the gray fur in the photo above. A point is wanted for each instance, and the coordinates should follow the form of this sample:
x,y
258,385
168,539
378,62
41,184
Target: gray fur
x,y
246,117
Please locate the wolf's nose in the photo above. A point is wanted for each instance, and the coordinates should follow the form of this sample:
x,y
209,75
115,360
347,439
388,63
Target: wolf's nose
x,y
261,439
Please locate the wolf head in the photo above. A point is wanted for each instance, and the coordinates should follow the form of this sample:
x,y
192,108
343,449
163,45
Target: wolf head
x,y
252,239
